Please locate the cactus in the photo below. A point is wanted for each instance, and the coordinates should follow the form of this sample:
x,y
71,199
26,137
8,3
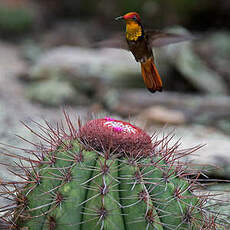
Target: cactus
x,y
105,175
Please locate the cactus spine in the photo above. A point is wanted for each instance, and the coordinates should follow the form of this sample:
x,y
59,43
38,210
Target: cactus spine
x,y
107,175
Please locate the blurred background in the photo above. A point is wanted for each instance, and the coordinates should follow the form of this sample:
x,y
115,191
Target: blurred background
x,y
47,62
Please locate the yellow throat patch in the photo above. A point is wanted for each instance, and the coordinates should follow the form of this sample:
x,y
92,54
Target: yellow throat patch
x,y
133,30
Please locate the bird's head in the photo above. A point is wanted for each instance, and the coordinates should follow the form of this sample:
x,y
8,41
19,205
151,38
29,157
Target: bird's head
x,y
130,16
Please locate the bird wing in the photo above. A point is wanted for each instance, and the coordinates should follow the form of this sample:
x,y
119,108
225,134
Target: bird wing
x,y
158,38
116,41
155,38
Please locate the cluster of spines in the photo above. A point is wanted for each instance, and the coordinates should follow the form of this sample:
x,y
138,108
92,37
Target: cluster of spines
x,y
147,179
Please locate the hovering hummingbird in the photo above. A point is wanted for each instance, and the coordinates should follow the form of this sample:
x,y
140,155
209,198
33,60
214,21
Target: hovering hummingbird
x,y
140,43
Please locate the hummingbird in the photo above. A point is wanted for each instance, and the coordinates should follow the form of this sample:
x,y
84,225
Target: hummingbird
x,y
140,43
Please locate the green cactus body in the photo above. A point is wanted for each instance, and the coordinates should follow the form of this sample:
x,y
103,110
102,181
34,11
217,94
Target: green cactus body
x,y
100,193
82,185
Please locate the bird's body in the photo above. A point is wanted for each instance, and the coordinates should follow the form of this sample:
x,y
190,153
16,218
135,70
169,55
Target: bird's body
x,y
140,43
137,41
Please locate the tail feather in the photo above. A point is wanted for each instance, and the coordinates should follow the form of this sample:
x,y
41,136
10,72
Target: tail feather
x,y
151,76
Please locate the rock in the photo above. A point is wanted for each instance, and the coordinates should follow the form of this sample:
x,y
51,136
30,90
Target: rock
x,y
31,50
10,62
83,66
133,101
219,41
214,153
55,93
194,69
163,115
215,50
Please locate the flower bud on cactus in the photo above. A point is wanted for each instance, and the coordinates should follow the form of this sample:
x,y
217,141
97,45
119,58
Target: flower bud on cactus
x,y
106,175
118,136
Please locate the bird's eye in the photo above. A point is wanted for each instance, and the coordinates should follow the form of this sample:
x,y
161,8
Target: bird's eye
x,y
134,17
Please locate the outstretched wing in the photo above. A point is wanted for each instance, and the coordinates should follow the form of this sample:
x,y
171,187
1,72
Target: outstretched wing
x,y
116,41
156,39
159,38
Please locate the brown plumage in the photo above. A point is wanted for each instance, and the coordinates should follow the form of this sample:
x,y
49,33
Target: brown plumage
x,y
151,76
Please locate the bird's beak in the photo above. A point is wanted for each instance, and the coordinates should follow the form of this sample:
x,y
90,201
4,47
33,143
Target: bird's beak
x,y
118,18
